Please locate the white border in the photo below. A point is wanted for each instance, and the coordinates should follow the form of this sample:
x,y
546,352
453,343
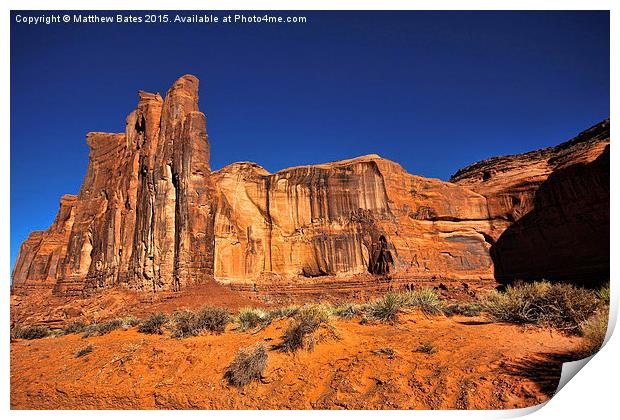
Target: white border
x,y
592,395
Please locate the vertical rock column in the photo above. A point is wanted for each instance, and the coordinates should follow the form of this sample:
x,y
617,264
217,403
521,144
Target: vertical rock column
x,y
174,234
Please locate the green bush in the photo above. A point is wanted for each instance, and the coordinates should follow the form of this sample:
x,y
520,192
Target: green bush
x,y
387,308
300,333
153,324
285,312
560,306
247,366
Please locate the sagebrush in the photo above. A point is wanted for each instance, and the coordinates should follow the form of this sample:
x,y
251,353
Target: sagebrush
x,y
32,332
301,331
248,365
154,324
561,306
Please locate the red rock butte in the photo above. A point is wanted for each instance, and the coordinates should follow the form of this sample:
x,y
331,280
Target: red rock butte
x,y
152,216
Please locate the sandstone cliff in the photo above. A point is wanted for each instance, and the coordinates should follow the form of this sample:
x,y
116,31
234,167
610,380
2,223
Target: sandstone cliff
x,y
354,216
143,217
558,199
151,216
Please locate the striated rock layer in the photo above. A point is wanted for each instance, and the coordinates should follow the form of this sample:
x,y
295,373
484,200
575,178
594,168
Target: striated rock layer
x,y
144,215
151,216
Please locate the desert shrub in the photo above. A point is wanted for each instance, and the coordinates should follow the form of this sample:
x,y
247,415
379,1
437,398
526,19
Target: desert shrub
x,y
424,299
561,306
247,366
184,324
130,321
213,319
603,294
594,330
84,351
109,326
30,333
300,333
250,318
387,308
427,348
348,310
387,351
74,327
101,328
284,312
153,324
465,309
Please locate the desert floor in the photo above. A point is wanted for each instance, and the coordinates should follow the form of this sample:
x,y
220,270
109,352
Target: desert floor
x,y
476,364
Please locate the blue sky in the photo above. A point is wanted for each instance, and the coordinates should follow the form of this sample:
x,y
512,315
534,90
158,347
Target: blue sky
x,y
434,91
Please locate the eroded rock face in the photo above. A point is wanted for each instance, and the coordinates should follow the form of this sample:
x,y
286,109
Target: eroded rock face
x,y
151,216
144,214
355,216
558,199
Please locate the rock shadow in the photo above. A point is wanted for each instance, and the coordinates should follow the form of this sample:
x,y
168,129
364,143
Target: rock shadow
x,y
565,237
544,369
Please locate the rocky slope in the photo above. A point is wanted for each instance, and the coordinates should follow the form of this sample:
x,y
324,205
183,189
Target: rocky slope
x,y
151,216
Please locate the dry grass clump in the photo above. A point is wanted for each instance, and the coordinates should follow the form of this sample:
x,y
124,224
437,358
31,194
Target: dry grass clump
x,y
74,327
184,324
101,328
285,312
153,324
247,366
213,319
424,299
83,352
348,310
386,309
560,306
594,330
130,321
387,351
250,318
465,309
32,332
603,294
427,348
302,331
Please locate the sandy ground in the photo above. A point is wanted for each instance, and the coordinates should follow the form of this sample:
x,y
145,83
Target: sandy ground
x,y
44,308
477,365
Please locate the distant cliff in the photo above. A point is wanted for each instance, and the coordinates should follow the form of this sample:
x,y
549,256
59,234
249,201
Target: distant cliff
x,y
152,216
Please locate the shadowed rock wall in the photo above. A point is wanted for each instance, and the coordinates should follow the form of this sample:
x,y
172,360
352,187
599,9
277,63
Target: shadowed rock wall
x,y
557,200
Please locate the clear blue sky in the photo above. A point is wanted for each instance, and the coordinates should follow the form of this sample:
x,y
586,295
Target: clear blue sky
x,y
434,91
